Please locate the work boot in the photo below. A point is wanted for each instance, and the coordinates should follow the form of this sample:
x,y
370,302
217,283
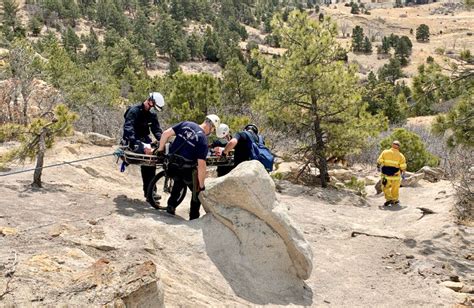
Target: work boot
x,y
170,210
396,202
387,203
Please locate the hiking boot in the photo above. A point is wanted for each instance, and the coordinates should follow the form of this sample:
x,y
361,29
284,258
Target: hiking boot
x,y
170,210
387,203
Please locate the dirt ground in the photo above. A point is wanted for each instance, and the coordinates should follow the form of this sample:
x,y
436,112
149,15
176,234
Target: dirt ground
x,y
398,258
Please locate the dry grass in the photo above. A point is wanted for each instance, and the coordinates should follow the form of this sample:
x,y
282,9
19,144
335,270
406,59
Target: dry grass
x,y
447,31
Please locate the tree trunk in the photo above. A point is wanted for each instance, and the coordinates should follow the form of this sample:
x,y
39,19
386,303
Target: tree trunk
x,y
320,155
25,109
40,159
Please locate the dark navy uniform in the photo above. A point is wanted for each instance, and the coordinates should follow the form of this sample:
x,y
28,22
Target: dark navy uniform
x,y
136,129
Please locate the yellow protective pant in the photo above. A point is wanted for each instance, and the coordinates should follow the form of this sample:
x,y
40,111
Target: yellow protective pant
x,y
391,187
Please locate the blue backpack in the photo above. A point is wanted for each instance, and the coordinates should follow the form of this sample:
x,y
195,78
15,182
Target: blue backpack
x,y
258,151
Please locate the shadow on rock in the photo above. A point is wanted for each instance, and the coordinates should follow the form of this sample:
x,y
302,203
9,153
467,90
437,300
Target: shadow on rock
x,y
392,208
256,271
135,207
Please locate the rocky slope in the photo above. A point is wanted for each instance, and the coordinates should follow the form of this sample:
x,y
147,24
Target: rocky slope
x,y
89,238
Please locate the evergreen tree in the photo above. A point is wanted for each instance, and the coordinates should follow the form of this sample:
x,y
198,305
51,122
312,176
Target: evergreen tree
x,y
166,34
238,87
122,56
391,72
195,46
367,45
459,122
40,136
429,87
403,50
423,33
35,26
354,8
358,39
71,11
385,45
111,38
312,96
93,46
173,67
211,45
71,42
382,98
10,9
11,26
193,96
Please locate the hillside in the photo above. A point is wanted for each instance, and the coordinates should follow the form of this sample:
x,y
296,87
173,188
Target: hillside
x,y
449,32
90,216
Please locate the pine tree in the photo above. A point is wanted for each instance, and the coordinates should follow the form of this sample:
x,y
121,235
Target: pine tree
x,y
93,47
195,46
385,45
367,45
193,96
391,72
40,136
238,87
403,50
423,33
314,97
354,8
122,56
71,41
458,121
358,39
35,26
71,11
173,67
211,45
10,9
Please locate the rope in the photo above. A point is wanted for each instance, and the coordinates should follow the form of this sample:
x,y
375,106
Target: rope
x,y
56,165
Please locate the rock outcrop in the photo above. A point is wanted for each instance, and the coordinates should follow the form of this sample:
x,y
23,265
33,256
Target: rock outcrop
x,y
264,246
100,140
71,277
431,174
245,202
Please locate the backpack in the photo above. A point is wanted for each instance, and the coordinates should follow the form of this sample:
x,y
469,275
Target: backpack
x,y
126,111
258,151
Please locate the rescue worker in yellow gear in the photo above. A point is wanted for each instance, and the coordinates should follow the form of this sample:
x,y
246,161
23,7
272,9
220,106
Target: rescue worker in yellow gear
x,y
393,165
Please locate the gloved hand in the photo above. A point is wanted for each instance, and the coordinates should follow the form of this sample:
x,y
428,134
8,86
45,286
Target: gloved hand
x,y
378,168
403,175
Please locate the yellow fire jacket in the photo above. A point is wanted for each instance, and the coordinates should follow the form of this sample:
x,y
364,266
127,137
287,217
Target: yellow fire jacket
x,y
392,158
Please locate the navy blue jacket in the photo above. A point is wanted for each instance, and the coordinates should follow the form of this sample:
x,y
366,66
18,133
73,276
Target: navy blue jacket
x,y
137,126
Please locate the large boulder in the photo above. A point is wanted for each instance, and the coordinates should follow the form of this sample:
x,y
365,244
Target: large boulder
x,y
100,140
411,179
341,175
431,174
253,239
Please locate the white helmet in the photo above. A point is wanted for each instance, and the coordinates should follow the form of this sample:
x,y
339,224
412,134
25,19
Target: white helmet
x,y
157,99
222,130
214,119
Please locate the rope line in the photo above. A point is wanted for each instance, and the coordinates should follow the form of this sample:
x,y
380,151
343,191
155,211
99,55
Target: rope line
x,y
56,165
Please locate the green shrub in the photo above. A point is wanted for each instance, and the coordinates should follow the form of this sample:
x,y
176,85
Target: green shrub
x,y
413,148
10,132
356,185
